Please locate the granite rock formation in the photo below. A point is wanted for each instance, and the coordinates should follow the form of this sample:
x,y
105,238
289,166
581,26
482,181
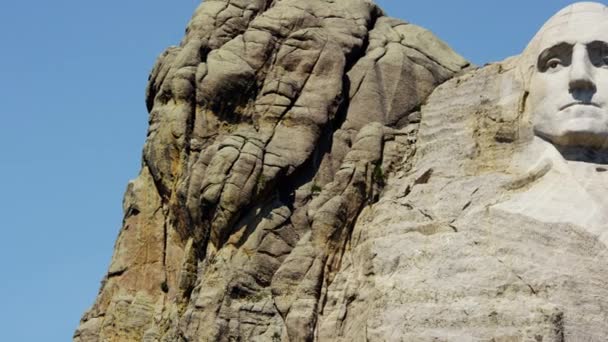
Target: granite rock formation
x,y
318,171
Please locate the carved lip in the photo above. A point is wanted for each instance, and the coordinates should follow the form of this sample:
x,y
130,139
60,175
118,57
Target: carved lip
x,y
580,103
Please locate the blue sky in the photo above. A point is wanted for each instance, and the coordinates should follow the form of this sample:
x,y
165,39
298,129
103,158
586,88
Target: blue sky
x,y
73,123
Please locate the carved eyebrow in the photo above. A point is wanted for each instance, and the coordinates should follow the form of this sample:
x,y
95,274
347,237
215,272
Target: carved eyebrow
x,y
598,51
561,49
598,44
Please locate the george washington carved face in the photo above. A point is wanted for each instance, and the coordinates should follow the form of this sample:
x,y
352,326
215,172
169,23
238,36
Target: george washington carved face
x,y
568,89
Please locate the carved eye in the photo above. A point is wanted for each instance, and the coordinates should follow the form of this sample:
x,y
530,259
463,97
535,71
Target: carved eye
x,y
555,58
598,53
554,63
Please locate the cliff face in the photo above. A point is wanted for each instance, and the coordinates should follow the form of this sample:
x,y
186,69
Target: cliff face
x,y
272,126
300,182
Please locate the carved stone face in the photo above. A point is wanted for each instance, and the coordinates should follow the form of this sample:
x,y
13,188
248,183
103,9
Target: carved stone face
x,y
568,92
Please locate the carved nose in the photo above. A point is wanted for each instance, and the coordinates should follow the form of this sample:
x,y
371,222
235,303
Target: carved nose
x,y
581,78
582,83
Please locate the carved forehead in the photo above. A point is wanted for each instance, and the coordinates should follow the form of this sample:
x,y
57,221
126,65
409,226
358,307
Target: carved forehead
x,y
583,23
578,8
579,22
577,12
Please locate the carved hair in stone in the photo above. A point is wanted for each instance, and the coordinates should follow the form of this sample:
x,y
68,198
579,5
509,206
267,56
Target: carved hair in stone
x,y
567,68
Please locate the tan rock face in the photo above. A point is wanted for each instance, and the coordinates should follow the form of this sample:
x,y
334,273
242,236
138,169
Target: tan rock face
x,y
317,171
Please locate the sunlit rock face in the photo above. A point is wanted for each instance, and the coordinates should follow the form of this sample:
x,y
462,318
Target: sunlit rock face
x,y
318,171
566,72
272,126
569,86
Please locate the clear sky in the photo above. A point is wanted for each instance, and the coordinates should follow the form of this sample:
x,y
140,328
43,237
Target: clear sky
x,y
73,123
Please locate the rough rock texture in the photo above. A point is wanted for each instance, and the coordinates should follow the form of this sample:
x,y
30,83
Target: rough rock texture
x,y
449,254
272,126
299,184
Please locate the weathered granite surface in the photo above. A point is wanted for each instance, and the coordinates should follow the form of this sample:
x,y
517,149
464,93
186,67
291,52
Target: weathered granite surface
x,y
318,171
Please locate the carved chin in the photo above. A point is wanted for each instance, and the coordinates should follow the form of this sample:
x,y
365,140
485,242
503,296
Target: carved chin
x,y
578,137
580,126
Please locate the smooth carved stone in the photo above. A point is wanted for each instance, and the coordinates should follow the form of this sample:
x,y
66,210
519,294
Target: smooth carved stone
x,y
569,85
568,108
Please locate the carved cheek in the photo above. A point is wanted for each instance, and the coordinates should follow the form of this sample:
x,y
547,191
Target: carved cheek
x,y
554,89
538,93
601,82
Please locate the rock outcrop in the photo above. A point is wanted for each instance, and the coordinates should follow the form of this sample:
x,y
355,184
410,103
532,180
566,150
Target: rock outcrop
x,y
273,125
318,171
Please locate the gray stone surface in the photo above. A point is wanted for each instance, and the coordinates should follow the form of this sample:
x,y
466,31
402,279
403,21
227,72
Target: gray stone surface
x,y
318,171
272,126
568,99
